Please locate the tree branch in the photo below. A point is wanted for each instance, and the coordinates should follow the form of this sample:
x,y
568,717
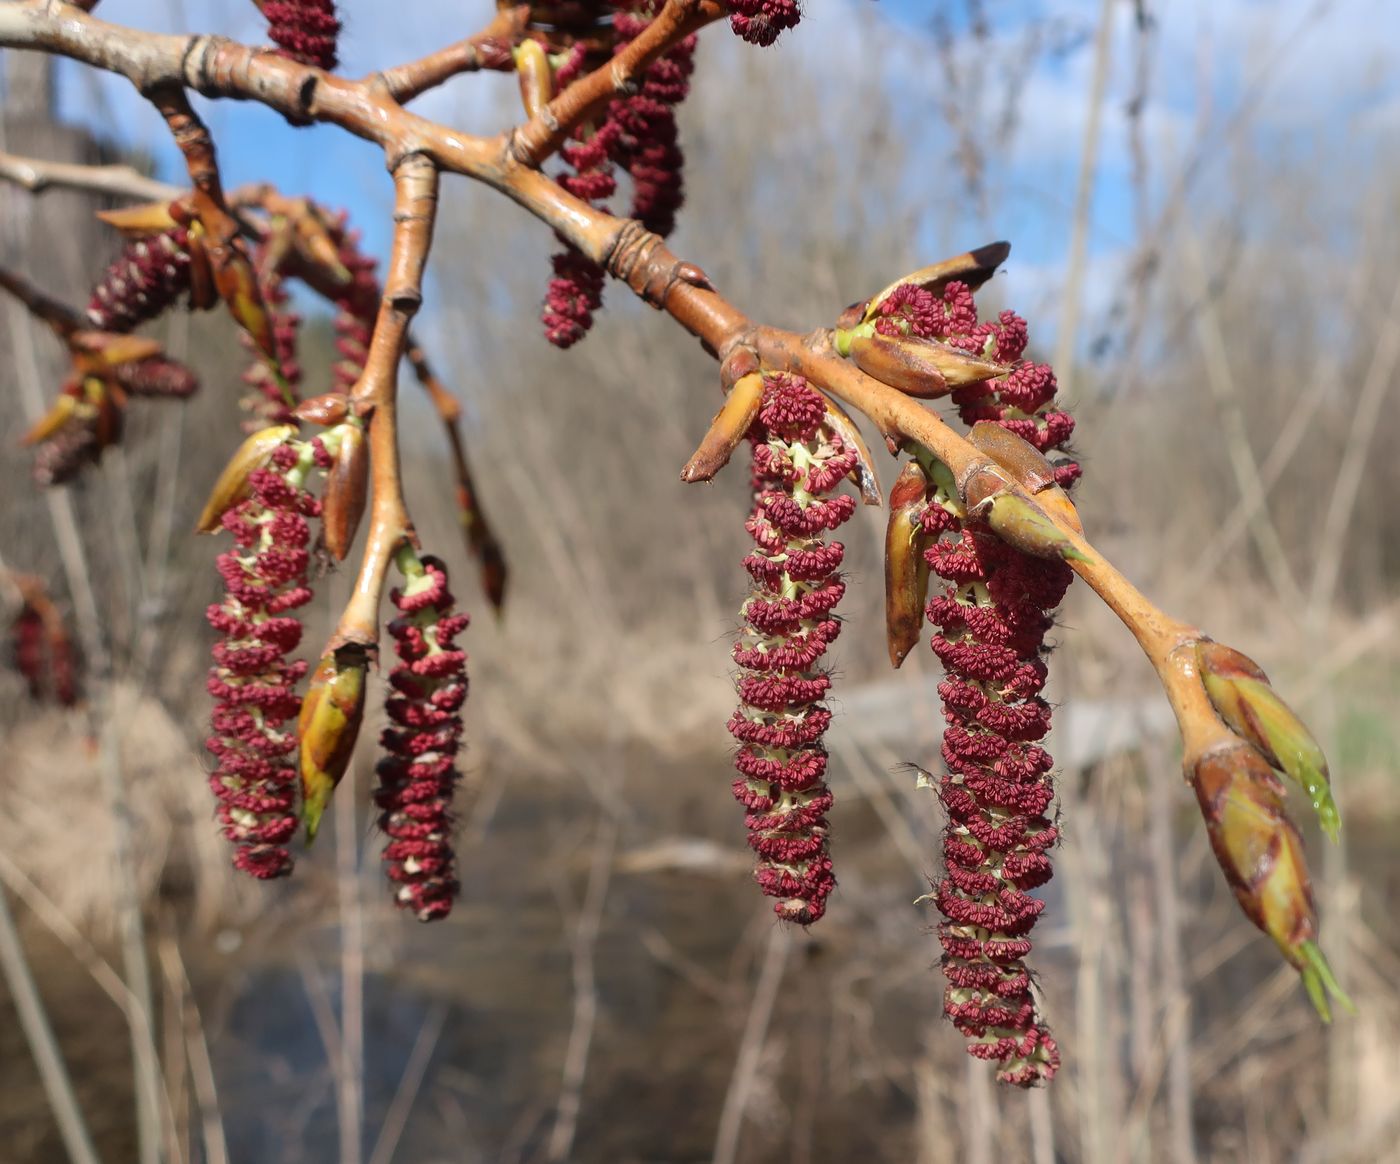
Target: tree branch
x,y
415,209
37,175
532,143
488,49
417,149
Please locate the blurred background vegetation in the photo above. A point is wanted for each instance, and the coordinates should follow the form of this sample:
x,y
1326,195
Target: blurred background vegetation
x,y
1211,261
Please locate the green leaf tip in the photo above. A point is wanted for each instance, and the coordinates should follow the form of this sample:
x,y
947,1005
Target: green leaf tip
x,y
1320,982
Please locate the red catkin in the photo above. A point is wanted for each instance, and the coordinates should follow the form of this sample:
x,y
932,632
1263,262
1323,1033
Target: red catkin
x,y
145,279
356,306
761,22
788,626
991,616
304,30
253,680
418,773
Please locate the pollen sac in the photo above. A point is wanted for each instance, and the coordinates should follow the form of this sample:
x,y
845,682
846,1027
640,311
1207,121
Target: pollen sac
x,y
789,621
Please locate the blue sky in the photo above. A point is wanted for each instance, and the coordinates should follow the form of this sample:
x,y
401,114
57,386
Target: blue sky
x,y
1315,70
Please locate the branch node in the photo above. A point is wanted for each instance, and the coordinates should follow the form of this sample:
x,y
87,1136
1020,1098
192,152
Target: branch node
x,y
197,66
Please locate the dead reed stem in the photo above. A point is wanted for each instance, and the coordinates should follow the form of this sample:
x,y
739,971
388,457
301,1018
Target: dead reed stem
x,y
585,1014
126,899
48,1058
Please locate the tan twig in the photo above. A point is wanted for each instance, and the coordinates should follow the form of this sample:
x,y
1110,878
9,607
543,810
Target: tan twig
x,y
488,49
544,133
1377,383
481,537
415,210
349,1065
127,901
1245,466
38,175
1067,326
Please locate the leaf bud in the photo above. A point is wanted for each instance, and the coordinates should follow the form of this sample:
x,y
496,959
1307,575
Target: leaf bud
x,y
1261,854
327,409
730,425
1241,694
906,571
328,726
343,503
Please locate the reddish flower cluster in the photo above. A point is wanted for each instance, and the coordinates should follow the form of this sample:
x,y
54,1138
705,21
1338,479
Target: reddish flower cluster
x,y
252,681
146,278
156,376
304,30
42,651
761,21
992,616
639,134
418,774
69,451
576,290
1022,401
797,462
648,142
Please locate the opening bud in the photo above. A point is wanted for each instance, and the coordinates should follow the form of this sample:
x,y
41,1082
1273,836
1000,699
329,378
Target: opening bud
x,y
327,409
237,284
904,362
140,221
730,425
1017,520
863,476
535,75
1261,854
1028,467
973,268
1241,694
